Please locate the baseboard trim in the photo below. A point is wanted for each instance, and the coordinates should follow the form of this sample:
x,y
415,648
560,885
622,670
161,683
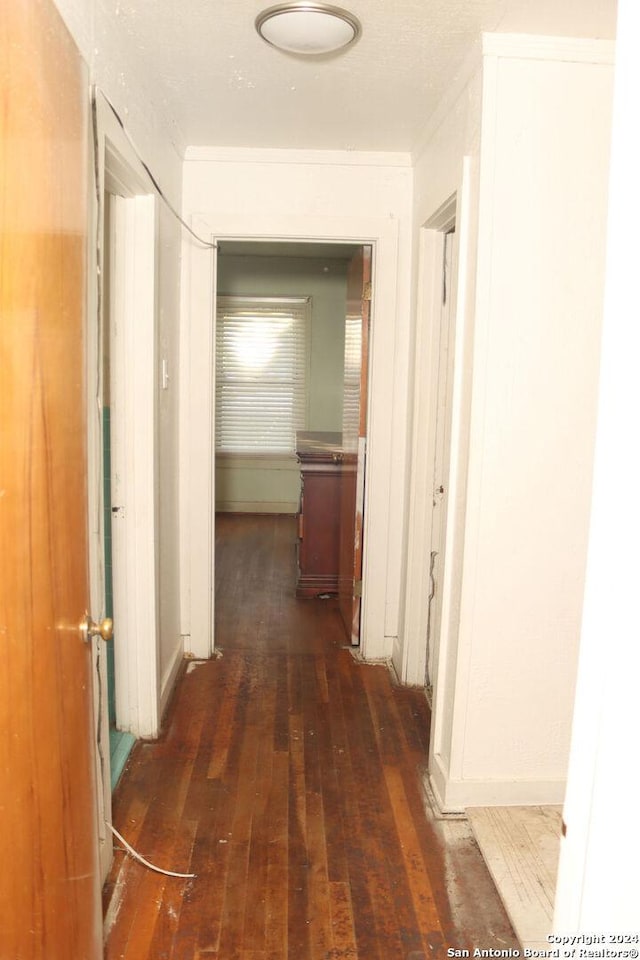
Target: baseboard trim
x,y
262,506
454,796
170,676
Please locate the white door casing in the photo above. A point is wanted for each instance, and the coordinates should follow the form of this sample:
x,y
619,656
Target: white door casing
x,y
133,521
445,353
198,397
423,448
118,170
445,668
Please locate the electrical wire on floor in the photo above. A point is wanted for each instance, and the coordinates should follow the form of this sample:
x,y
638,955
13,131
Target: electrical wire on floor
x,y
151,866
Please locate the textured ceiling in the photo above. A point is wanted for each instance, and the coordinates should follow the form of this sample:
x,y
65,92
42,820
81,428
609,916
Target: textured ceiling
x,y
223,86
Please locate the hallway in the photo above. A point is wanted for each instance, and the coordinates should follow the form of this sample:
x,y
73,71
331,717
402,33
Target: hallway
x,y
287,780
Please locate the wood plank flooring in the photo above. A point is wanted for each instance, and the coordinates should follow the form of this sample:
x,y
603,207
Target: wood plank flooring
x,y
287,780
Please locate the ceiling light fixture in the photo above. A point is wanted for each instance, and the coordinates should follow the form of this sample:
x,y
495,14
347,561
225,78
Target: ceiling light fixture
x,y
308,28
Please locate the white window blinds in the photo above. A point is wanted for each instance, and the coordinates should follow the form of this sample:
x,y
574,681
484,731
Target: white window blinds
x,y
352,371
261,374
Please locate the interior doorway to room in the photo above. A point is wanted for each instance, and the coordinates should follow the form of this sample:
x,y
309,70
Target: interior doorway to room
x,y
291,362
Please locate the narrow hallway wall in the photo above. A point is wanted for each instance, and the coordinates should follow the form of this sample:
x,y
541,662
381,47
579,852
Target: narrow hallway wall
x,y
113,69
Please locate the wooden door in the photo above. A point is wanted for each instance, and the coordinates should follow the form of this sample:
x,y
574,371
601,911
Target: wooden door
x,y
354,431
49,886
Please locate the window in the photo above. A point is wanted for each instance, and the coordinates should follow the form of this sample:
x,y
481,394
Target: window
x,y
261,374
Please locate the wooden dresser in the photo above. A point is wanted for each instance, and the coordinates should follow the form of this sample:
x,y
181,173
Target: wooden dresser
x,y
320,457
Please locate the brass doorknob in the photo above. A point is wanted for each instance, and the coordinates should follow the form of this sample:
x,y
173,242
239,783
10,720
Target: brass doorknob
x,y
89,628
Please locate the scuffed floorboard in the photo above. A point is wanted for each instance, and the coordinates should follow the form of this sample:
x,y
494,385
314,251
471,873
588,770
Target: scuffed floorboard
x,y
521,846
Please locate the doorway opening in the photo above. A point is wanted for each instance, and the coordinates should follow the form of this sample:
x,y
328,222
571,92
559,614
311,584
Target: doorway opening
x,y
440,456
122,492
120,425
290,405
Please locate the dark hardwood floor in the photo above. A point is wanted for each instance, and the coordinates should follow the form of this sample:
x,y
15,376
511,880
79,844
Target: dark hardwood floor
x,y
287,779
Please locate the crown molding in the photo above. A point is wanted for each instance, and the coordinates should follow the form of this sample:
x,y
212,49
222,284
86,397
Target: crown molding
x,y
519,46
455,88
516,46
352,158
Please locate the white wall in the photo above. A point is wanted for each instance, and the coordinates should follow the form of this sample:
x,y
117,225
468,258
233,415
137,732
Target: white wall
x,y
113,68
537,337
295,194
598,884
504,689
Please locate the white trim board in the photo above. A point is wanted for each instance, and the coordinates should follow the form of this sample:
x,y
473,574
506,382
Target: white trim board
x,y
348,158
117,165
454,796
170,675
133,464
533,47
419,532
198,480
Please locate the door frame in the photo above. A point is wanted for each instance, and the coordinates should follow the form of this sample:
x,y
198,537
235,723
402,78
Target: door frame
x,y
440,441
446,666
133,365
112,158
427,357
354,442
198,398
456,208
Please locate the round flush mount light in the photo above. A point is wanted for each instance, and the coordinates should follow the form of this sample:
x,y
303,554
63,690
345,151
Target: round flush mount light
x,y
308,28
